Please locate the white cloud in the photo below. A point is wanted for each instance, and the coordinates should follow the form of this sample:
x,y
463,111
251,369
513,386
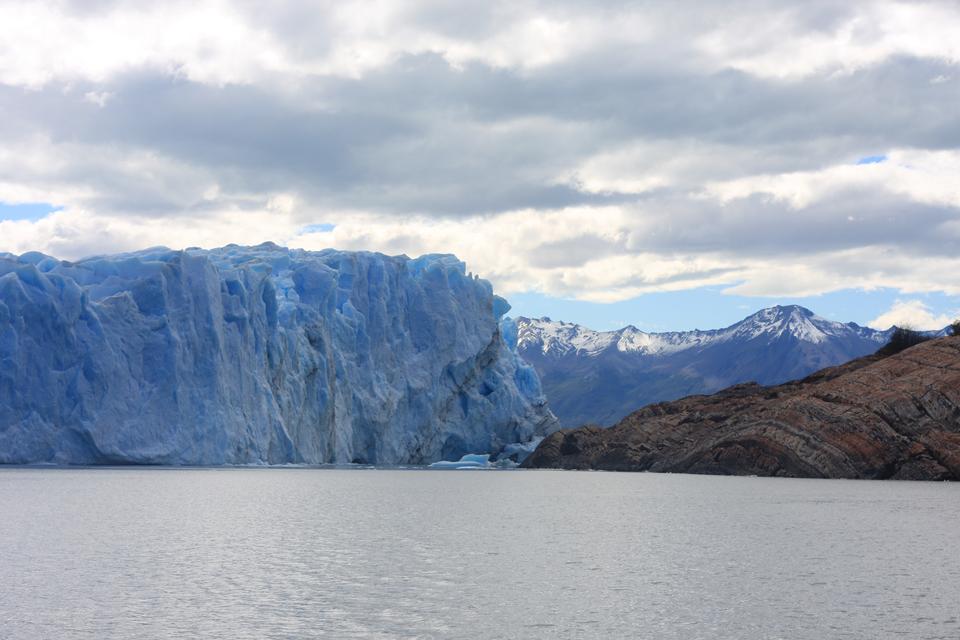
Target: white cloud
x,y
98,98
220,42
73,234
644,165
506,248
924,176
872,31
206,41
914,314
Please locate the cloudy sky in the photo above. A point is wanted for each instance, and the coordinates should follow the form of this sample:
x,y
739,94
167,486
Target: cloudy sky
x,y
666,164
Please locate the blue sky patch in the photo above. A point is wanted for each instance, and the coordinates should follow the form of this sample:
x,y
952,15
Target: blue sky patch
x,y
26,211
710,308
872,159
320,227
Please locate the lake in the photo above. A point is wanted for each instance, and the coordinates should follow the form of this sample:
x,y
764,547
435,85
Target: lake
x,y
346,553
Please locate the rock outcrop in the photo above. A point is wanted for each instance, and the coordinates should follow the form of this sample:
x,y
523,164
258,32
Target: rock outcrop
x,y
876,417
257,355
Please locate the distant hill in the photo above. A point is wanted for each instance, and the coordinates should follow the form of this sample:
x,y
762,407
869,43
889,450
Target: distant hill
x,y
593,377
876,417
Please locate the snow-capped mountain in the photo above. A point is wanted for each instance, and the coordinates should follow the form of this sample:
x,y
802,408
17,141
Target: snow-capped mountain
x,y
257,355
600,376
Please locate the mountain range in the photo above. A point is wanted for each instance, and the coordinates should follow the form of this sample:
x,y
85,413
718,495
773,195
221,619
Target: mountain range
x,y
598,377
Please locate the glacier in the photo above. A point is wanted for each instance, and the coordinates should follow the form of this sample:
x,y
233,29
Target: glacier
x,y
257,355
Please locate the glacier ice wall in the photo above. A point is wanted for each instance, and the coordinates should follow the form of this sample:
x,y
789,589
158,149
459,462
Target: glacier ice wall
x,y
249,355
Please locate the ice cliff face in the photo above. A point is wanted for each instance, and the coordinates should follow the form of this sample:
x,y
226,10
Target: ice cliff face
x,y
257,355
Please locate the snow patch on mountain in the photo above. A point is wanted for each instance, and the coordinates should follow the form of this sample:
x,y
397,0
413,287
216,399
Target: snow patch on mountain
x,y
600,376
559,338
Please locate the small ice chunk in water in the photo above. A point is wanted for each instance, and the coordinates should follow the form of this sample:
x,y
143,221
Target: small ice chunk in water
x,y
478,458
469,461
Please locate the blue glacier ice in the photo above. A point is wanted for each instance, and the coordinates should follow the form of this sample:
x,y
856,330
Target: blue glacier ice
x,y
257,355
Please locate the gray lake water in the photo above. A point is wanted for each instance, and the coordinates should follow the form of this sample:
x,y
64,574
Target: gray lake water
x,y
301,553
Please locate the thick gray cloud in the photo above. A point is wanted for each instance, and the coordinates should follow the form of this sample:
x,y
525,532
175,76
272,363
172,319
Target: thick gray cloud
x,y
419,136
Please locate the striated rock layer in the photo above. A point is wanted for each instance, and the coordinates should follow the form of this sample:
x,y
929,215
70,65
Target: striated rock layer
x,y
895,417
257,355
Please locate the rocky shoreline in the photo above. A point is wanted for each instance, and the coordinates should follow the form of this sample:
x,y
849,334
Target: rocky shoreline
x,y
876,417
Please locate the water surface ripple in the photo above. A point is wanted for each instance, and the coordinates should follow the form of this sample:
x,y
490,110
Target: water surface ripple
x,y
303,553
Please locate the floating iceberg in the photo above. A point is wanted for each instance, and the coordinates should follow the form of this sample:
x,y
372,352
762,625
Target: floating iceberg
x,y
468,461
257,355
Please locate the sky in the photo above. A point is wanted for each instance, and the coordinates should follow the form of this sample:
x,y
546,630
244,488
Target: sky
x,y
669,165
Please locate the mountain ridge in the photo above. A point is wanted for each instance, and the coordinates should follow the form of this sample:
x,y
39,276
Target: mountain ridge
x,y
599,377
799,321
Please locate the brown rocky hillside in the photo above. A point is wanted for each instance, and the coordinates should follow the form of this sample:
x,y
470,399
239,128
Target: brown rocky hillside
x,y
876,417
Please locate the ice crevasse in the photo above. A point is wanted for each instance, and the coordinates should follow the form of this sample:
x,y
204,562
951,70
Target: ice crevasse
x,y
257,355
